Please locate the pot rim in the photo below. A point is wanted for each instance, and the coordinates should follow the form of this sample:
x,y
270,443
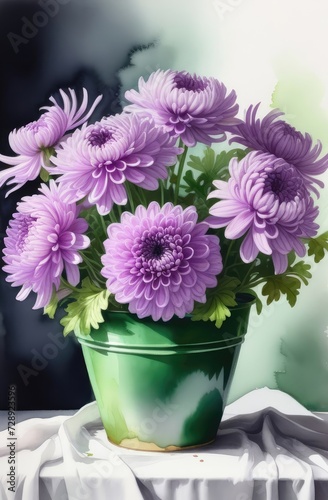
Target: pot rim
x,y
159,349
125,332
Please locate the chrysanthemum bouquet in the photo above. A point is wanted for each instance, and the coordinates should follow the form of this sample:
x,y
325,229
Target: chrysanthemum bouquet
x,y
126,218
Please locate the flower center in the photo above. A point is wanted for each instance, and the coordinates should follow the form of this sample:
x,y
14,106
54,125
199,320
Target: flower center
x,y
24,224
158,250
285,182
99,136
185,81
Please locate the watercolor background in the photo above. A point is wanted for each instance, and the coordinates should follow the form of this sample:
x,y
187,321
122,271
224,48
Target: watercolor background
x,y
273,51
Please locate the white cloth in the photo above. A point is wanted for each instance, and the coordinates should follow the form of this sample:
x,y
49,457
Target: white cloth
x,y
272,449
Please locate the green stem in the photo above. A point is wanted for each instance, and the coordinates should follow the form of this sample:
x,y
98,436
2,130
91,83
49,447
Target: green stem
x,y
251,267
91,265
161,185
102,223
228,254
67,285
130,198
170,171
119,210
256,283
91,261
232,266
180,170
142,197
112,216
97,242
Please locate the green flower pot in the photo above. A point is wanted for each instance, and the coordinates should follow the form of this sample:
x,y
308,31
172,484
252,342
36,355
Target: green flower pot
x,y
163,386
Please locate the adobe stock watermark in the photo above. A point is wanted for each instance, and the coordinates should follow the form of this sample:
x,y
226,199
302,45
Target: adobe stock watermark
x,y
93,475
39,20
160,414
40,360
223,7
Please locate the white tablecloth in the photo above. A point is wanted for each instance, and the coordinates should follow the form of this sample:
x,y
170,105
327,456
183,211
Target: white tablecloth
x,y
268,447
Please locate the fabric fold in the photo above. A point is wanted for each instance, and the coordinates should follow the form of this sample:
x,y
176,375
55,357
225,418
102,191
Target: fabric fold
x,y
268,447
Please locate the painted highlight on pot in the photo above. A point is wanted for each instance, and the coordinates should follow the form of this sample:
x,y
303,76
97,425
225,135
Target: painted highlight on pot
x,y
162,386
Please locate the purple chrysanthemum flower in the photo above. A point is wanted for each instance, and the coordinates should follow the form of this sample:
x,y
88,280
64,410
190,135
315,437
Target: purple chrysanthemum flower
x,y
266,199
31,141
96,160
43,240
279,138
161,260
195,109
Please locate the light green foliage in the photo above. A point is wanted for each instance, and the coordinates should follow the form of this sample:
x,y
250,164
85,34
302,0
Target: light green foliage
x,y
317,246
44,175
84,312
51,308
47,153
218,301
288,283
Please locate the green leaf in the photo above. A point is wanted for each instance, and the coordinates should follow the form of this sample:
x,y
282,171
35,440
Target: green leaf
x,y
44,174
51,308
218,302
215,166
258,304
195,186
317,246
57,298
210,167
281,284
301,270
46,153
287,283
197,194
204,164
84,312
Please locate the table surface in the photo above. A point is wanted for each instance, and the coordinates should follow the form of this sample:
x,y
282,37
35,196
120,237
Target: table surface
x,y
268,447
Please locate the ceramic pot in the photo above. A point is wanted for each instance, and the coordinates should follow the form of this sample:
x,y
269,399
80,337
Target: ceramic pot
x,y
163,386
